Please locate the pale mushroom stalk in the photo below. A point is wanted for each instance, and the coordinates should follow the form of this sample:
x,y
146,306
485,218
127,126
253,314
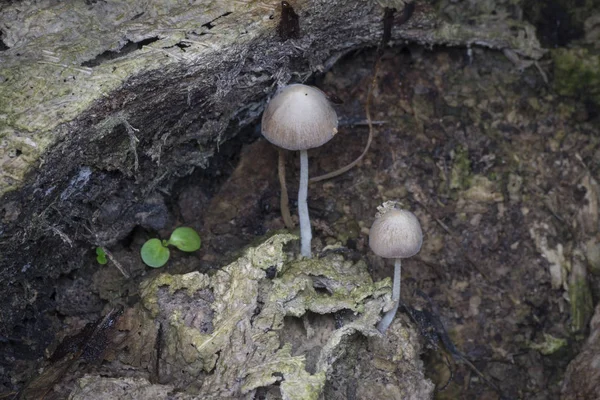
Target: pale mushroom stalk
x,y
396,234
305,230
387,319
299,118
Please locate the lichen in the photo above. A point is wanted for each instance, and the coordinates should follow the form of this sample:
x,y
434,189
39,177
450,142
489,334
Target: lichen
x,y
90,387
191,283
249,312
550,345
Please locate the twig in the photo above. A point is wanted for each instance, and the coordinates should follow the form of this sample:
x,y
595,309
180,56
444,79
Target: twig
x,y
62,235
369,140
133,141
388,20
116,262
284,199
109,254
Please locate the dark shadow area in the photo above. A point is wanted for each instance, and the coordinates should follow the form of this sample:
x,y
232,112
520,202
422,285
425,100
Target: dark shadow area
x,y
557,24
3,46
128,48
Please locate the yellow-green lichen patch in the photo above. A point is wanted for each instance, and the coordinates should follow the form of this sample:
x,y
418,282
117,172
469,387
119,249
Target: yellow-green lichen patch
x,y
346,285
550,345
191,283
93,387
244,350
297,385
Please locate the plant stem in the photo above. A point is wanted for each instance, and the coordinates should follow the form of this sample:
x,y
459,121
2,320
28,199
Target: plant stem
x,y
387,319
305,230
283,200
372,85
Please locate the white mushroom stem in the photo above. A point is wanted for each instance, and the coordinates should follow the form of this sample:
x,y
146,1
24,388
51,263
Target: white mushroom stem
x,y
387,319
305,231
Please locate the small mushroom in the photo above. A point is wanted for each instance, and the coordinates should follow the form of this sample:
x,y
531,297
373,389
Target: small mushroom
x,y
299,117
396,234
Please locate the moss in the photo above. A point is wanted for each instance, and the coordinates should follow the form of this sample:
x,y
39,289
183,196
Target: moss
x,y
460,175
582,305
550,345
577,73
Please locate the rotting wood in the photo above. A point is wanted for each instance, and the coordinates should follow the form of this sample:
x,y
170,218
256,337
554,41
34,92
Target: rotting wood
x,y
187,76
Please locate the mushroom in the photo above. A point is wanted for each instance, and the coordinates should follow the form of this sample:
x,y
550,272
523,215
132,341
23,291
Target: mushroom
x,y
396,234
299,117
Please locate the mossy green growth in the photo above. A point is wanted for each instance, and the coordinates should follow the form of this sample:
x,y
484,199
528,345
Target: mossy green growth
x,y
582,305
346,228
460,175
483,190
577,73
301,277
550,345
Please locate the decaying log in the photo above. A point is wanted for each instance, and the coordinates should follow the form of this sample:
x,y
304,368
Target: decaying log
x,y
104,103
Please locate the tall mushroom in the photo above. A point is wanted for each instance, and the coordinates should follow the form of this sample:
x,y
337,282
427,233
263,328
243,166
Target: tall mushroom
x,y
299,117
396,234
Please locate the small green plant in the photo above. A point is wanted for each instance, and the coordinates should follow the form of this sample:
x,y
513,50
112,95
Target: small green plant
x,y
101,256
155,252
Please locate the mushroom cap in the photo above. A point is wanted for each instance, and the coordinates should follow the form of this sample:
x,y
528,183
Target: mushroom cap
x,y
299,117
396,234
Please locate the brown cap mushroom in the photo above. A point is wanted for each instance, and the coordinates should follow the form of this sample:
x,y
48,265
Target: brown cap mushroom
x,y
299,117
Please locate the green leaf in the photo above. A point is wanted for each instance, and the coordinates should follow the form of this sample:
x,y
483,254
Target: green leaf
x,y
100,256
185,239
154,254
